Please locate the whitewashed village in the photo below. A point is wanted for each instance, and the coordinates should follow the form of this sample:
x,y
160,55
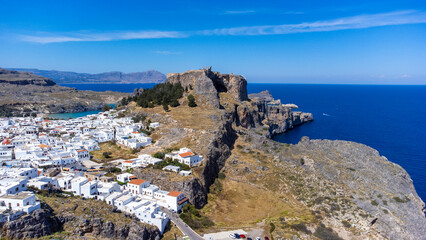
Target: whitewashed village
x,y
37,153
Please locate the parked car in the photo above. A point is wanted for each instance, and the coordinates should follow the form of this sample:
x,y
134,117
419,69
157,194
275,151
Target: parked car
x,y
258,238
266,238
237,236
242,236
232,236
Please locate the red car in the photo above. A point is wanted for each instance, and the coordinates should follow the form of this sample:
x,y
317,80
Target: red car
x,y
266,238
242,236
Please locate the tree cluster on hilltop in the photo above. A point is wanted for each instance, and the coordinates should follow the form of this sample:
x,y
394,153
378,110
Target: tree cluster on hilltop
x,y
165,94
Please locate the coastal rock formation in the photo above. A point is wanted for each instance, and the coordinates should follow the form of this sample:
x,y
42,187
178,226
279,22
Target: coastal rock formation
x,y
62,77
381,188
24,93
24,78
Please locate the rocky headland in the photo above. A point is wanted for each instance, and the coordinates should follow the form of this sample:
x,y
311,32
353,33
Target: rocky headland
x,y
65,77
317,189
25,93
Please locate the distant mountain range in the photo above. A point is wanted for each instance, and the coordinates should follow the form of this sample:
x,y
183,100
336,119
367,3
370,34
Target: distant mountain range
x,y
63,77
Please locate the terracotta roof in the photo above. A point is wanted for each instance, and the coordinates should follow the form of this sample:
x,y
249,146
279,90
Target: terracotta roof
x,y
174,193
187,154
137,181
132,177
82,150
128,161
6,141
44,146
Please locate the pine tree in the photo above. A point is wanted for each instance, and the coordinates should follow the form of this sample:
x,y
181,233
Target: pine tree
x,y
191,101
165,107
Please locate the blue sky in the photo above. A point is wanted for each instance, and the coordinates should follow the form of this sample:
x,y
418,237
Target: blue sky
x,y
373,42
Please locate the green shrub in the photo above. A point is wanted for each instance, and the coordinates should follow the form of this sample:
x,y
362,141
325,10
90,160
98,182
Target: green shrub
x,y
160,155
399,200
346,224
193,217
106,154
191,101
106,108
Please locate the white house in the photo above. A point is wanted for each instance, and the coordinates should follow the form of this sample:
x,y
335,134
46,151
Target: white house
x,y
186,156
175,200
122,201
22,201
151,214
125,177
135,186
82,154
12,185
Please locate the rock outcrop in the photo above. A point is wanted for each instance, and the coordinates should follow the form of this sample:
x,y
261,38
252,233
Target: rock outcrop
x,y
208,84
39,223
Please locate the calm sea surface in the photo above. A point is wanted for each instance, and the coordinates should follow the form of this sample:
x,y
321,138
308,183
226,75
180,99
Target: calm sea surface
x,y
390,119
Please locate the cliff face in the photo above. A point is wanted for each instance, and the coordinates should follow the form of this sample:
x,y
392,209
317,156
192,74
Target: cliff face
x,y
208,84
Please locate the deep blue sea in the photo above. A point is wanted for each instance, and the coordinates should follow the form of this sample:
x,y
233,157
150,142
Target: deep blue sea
x,y
390,119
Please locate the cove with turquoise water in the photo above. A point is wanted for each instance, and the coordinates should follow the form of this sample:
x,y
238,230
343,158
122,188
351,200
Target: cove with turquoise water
x,y
390,119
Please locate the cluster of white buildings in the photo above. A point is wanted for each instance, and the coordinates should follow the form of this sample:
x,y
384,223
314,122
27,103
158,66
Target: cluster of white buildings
x,y
38,142
135,196
38,153
14,199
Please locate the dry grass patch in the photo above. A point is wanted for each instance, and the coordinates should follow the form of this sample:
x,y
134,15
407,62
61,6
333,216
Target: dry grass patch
x,y
117,152
242,204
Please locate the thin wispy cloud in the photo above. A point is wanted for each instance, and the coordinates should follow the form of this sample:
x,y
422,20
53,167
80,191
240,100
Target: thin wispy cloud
x,y
346,23
102,37
355,22
239,11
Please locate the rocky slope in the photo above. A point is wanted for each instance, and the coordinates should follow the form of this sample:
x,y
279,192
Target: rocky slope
x,y
72,218
317,189
63,77
24,93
